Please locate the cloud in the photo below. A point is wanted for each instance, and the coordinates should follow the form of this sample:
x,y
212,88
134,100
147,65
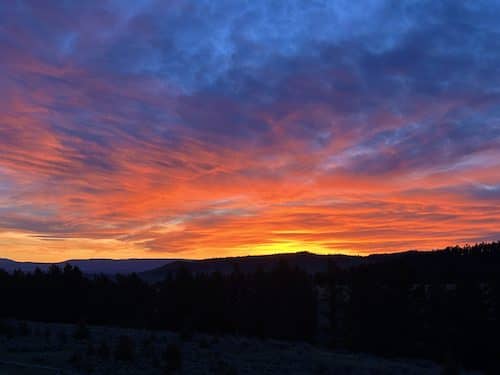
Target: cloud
x,y
254,127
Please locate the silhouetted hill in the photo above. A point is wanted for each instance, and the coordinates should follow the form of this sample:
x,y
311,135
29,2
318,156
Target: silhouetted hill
x,y
91,266
11,265
449,260
452,261
309,262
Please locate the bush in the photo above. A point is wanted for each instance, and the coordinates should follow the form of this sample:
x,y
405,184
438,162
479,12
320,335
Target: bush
x,y
155,362
186,333
62,337
146,346
203,343
103,350
90,350
23,329
450,368
81,332
173,358
47,333
125,349
6,329
75,359
224,368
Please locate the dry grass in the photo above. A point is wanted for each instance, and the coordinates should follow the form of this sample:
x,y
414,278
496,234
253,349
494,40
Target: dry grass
x,y
55,345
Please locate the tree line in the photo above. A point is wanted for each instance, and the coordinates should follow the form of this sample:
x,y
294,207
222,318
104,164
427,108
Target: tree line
x,y
442,305
280,303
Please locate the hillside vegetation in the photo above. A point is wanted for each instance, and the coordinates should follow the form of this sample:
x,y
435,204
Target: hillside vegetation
x,y
441,306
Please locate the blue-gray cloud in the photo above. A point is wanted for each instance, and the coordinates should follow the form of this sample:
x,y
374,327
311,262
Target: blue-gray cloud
x,y
105,101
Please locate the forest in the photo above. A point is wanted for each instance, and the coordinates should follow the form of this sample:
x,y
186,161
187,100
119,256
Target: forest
x,y
440,305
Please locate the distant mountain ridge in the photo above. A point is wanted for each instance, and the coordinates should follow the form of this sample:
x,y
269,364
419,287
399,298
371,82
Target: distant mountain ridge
x,y
309,262
90,266
156,269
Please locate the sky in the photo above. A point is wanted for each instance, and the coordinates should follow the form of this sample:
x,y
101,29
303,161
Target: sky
x,y
213,128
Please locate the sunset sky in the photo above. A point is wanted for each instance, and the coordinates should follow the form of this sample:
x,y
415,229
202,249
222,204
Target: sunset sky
x,y
214,128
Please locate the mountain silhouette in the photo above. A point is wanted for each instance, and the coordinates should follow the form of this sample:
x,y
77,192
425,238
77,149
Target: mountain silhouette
x,y
90,266
305,261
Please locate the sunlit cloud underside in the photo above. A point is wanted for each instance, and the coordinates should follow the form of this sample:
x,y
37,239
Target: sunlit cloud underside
x,y
210,128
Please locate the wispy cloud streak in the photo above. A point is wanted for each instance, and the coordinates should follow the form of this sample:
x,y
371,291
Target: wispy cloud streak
x,y
204,128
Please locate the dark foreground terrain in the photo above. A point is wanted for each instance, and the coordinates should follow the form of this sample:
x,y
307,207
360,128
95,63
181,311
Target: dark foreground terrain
x,y
41,348
441,306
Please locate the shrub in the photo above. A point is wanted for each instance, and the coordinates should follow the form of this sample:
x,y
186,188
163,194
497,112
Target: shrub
x,y
146,346
6,329
63,337
173,358
155,362
23,329
125,349
450,368
203,343
224,368
81,331
90,350
103,350
75,359
47,333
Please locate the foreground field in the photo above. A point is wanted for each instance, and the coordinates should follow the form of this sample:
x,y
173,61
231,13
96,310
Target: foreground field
x,y
37,348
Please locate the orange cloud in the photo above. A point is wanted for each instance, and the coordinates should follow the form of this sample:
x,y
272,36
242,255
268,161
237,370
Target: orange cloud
x,y
103,154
